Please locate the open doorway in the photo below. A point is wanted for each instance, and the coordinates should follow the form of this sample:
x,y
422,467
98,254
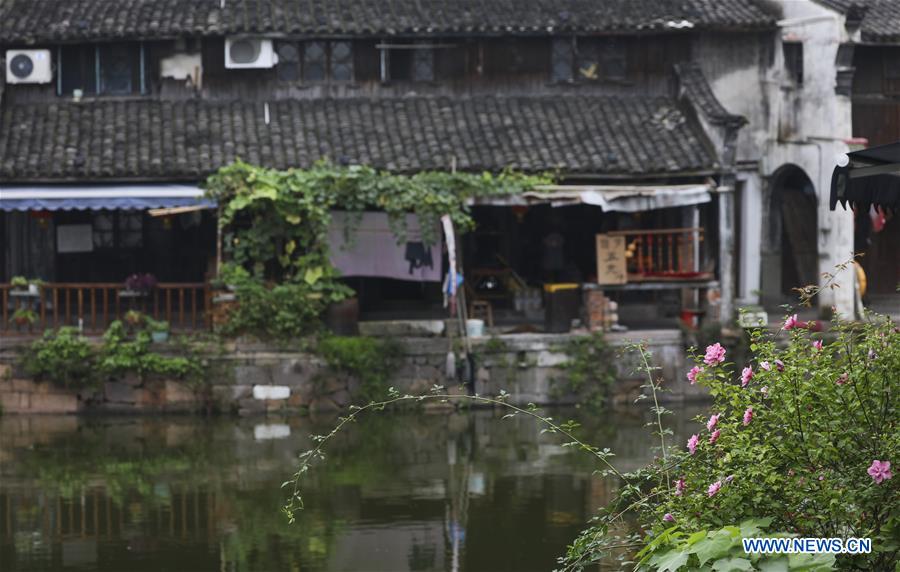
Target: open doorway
x,y
790,254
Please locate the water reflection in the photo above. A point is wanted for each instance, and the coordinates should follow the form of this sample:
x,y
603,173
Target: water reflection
x,y
402,491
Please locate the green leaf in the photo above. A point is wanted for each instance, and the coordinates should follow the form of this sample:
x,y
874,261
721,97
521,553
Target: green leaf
x,y
778,564
313,274
732,565
669,561
711,547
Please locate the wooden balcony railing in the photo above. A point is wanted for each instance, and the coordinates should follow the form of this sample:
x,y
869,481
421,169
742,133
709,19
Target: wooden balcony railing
x,y
93,306
664,254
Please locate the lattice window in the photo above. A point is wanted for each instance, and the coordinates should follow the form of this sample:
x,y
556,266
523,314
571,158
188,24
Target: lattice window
x,y
562,60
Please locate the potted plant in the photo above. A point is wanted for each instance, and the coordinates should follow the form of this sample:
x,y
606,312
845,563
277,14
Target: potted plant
x,y
134,318
30,285
34,286
139,285
159,330
229,278
24,317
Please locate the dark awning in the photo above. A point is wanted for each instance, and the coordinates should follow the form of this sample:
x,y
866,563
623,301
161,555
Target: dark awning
x,y
870,178
97,197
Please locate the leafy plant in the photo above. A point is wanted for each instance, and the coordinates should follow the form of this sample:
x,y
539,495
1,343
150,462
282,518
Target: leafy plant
x,y
63,357
157,325
121,354
275,227
589,370
134,318
24,317
723,550
370,360
19,282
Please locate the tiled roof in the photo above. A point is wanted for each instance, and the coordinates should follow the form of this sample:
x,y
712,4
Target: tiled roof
x,y
880,18
693,82
48,20
155,140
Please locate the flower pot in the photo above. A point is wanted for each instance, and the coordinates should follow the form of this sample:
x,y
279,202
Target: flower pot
x,y
342,317
159,337
33,289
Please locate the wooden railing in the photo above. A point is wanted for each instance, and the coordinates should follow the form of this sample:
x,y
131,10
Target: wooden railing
x,y
93,306
664,254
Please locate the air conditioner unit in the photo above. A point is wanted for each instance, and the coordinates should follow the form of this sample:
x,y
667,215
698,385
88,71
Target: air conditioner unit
x,y
249,53
28,66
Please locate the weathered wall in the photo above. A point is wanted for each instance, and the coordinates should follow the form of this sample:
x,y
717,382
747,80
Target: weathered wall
x,y
803,125
527,366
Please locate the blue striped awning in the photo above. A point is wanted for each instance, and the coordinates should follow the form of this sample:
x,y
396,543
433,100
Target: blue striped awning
x,y
97,197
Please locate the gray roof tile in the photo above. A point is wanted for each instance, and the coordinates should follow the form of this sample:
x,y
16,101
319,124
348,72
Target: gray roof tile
x,y
49,20
154,140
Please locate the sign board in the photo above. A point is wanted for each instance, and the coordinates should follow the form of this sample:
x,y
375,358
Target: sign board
x,y
611,260
74,238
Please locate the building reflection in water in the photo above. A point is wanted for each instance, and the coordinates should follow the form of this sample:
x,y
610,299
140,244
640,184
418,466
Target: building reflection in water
x,y
410,491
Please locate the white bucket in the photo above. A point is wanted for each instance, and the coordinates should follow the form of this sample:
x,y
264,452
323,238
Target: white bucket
x,y
475,328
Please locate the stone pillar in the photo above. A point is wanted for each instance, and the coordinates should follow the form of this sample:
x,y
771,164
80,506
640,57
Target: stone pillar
x,y
726,252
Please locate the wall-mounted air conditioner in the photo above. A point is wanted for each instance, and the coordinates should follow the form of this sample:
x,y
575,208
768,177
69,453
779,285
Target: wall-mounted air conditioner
x,y
249,53
28,66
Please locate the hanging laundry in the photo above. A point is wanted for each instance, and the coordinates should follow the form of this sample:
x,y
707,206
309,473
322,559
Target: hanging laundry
x,y
373,249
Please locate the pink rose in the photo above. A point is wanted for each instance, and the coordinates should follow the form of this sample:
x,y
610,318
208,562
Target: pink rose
x,y
779,365
714,488
766,366
748,415
713,421
818,345
692,443
715,354
668,517
746,376
679,487
880,471
692,375
764,390
714,437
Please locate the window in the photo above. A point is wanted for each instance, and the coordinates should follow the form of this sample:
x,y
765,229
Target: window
x,y
614,60
105,69
793,61
118,229
328,61
423,65
562,60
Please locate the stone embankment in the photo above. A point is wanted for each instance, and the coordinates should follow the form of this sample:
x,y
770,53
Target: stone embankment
x,y
259,378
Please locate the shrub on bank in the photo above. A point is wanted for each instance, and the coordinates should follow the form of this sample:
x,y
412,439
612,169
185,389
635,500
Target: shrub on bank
x,y
67,358
804,435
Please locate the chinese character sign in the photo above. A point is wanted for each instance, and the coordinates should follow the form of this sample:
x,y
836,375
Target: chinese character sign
x,y
611,260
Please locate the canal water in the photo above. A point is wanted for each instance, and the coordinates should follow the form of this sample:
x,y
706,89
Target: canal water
x,y
402,491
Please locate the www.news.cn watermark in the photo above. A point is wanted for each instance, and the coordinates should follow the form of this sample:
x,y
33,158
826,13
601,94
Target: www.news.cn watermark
x,y
807,545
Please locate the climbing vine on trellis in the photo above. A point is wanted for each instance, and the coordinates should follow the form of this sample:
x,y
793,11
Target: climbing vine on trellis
x,y
275,224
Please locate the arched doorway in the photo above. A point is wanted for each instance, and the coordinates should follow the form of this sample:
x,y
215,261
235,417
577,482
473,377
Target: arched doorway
x,y
790,254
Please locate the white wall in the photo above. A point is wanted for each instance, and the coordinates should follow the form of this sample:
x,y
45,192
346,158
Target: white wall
x,y
803,125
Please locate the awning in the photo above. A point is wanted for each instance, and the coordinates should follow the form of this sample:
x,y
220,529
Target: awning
x,y
96,197
611,198
870,177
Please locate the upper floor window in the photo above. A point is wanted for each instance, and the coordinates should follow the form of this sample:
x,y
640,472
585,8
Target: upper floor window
x,y
406,61
102,69
562,60
588,59
793,61
324,60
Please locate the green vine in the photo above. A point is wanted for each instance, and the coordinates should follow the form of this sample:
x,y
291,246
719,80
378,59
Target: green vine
x,y
275,225
589,370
